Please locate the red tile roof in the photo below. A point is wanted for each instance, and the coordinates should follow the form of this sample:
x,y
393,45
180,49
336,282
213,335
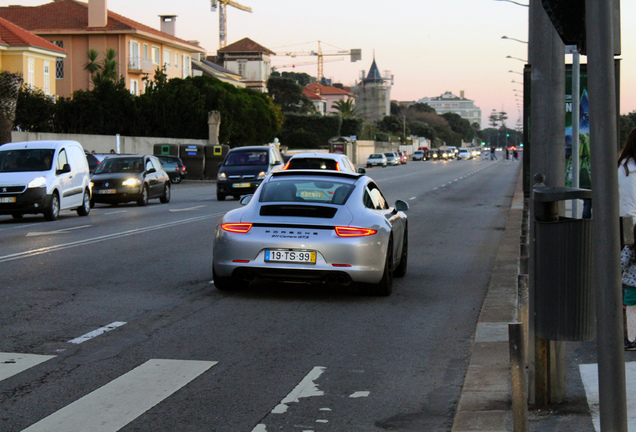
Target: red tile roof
x,y
325,90
246,45
72,15
15,36
311,95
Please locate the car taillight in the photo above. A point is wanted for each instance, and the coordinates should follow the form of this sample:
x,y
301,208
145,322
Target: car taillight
x,y
240,228
337,166
286,166
183,168
354,232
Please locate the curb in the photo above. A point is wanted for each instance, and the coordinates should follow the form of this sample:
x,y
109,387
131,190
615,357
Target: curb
x,y
485,403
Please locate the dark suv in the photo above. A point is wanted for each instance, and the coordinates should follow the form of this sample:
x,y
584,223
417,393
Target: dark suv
x,y
244,168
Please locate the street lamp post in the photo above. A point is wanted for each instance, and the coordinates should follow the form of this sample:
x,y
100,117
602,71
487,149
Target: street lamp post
x,y
517,58
514,2
514,39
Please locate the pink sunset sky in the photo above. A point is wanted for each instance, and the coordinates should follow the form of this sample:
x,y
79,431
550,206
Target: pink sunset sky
x,y
429,46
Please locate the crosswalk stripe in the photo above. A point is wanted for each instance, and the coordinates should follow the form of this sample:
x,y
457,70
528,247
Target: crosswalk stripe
x,y
14,363
122,400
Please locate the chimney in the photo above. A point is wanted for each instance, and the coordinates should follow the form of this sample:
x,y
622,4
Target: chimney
x,y
461,94
168,24
97,13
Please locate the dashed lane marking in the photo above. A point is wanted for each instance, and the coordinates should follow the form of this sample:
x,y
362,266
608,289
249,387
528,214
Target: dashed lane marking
x,y
14,363
99,331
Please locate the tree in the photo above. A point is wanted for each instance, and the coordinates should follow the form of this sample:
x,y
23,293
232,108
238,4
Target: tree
x,y
9,89
460,126
35,111
493,118
346,109
289,96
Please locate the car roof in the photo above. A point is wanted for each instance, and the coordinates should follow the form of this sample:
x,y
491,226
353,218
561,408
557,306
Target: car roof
x,y
250,148
318,155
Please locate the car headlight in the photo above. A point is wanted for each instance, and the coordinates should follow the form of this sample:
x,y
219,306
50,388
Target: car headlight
x,y
261,175
221,176
37,182
131,182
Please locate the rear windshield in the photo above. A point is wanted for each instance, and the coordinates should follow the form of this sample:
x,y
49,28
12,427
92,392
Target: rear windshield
x,y
376,155
247,157
314,191
312,163
121,165
390,154
26,160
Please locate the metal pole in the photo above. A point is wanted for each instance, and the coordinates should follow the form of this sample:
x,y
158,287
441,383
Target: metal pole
x,y
576,105
518,377
605,229
547,53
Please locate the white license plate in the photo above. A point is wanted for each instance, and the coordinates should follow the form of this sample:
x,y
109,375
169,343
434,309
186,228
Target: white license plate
x,y
106,191
7,200
297,257
241,185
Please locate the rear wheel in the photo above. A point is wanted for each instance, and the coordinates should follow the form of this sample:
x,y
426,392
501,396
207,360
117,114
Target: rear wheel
x,y
165,198
385,286
53,212
85,208
176,179
143,199
400,270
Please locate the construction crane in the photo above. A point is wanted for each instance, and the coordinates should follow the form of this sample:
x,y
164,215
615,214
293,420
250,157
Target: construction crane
x,y
355,54
222,6
299,64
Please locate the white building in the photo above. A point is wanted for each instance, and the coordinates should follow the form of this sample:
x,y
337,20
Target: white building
x,y
449,103
249,60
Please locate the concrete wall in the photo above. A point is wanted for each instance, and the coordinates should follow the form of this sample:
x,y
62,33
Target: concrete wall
x,y
104,143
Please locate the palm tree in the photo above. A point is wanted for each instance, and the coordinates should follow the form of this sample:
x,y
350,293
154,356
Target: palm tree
x,y
104,71
346,108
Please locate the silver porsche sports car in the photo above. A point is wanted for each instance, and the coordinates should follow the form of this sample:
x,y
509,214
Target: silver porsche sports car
x,y
313,226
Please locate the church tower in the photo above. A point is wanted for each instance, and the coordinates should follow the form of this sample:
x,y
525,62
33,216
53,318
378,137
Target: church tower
x,y
373,95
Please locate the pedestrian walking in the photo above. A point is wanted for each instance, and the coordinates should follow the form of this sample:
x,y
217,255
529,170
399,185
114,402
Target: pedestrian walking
x,y
515,154
507,153
493,156
628,265
627,182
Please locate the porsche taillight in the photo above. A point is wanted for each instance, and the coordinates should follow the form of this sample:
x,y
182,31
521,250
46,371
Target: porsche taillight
x,y
240,228
354,232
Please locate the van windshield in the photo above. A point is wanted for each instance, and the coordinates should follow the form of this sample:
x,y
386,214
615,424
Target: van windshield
x,y
25,160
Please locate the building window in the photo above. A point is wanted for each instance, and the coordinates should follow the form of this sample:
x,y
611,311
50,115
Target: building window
x,y
167,58
185,61
156,55
31,71
241,68
134,61
134,87
176,60
59,62
146,56
46,85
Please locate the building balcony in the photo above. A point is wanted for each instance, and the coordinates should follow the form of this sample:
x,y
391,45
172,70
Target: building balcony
x,y
140,65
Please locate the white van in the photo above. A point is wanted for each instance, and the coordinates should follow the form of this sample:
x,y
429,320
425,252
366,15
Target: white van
x,y
44,177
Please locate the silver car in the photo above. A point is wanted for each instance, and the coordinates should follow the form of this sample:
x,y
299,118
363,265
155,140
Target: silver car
x,y
322,161
313,227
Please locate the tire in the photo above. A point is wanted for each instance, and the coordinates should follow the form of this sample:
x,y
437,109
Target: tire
x,y
143,199
85,208
17,215
53,212
400,270
92,203
228,283
220,197
165,198
385,286
176,179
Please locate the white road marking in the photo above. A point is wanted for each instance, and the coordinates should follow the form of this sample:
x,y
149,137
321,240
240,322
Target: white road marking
x,y
99,331
34,252
412,198
119,402
14,363
306,388
115,212
186,209
60,231
360,394
589,376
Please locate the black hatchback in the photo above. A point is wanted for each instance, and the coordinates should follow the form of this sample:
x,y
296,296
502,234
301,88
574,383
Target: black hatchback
x,y
124,178
174,166
244,168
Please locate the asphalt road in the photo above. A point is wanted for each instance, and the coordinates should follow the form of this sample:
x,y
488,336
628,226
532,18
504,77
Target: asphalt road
x,y
175,354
